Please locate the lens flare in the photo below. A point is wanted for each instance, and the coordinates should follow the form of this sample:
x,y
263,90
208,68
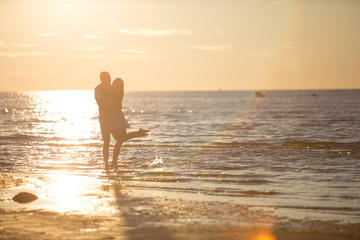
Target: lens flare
x,y
265,235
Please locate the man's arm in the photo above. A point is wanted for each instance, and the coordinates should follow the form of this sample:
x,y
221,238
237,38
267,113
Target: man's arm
x,y
100,99
103,101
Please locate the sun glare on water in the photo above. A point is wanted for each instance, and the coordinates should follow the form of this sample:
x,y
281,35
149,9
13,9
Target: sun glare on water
x,y
265,235
67,114
73,193
66,189
70,118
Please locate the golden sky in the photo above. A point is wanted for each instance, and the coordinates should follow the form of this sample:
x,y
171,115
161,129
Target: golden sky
x,y
180,45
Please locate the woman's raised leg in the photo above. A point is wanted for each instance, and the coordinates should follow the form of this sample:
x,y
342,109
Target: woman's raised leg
x,y
121,136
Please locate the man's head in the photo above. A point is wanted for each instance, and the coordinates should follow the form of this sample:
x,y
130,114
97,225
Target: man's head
x,y
105,78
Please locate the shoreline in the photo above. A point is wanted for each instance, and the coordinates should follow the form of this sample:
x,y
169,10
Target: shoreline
x,y
126,214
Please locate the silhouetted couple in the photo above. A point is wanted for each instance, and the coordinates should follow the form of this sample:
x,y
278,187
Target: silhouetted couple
x,y
109,98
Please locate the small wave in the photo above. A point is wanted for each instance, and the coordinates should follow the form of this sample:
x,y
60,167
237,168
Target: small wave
x,y
19,136
257,193
349,197
350,209
218,145
215,175
223,176
254,144
238,181
161,173
164,180
250,181
211,191
239,144
230,144
226,168
6,164
287,144
79,144
340,148
299,112
32,121
319,145
342,120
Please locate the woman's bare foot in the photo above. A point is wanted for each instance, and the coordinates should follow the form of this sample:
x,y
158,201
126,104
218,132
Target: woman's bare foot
x,y
114,165
143,132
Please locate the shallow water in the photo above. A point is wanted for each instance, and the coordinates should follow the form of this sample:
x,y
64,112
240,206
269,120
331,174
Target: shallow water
x,y
289,151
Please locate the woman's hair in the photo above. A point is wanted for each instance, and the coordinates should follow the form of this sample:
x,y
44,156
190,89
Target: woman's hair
x,y
118,83
118,86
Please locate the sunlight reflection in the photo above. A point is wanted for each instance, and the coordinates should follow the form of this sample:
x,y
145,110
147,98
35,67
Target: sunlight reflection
x,y
68,118
73,193
66,114
66,189
265,235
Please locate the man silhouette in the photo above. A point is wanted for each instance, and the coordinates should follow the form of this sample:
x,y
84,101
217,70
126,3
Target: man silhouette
x,y
103,99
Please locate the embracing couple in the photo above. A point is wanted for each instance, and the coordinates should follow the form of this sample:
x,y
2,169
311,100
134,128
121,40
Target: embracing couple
x,y
109,98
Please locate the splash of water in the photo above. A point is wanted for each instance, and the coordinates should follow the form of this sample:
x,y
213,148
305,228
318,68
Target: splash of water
x,y
156,161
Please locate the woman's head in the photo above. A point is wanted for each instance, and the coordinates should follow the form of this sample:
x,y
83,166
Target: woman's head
x,y
118,84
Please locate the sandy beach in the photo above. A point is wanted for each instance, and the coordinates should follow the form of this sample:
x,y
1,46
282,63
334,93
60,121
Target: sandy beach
x,y
133,215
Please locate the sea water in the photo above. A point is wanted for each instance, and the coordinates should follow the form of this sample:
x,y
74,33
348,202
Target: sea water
x,y
297,152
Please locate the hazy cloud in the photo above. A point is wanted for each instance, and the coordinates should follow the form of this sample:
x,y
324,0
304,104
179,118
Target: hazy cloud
x,y
262,53
89,56
46,34
133,56
268,1
28,73
23,54
94,36
279,1
18,45
217,47
290,45
153,33
132,51
137,54
94,48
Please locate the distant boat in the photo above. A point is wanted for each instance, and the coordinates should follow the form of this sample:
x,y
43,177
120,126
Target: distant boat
x,y
259,94
314,95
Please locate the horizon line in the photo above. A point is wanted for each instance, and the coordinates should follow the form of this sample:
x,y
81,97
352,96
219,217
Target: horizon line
x,y
204,90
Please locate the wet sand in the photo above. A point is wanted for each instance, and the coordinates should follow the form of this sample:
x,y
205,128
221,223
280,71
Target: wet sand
x,y
138,215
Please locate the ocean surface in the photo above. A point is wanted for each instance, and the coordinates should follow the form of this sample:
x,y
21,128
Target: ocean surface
x,y
295,152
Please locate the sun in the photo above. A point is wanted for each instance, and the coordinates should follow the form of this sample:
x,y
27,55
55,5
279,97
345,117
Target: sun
x,y
265,235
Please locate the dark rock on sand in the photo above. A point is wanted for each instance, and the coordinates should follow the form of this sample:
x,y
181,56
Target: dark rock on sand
x,y
24,197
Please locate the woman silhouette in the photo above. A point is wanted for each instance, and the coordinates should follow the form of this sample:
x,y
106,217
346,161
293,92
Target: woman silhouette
x,y
118,123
